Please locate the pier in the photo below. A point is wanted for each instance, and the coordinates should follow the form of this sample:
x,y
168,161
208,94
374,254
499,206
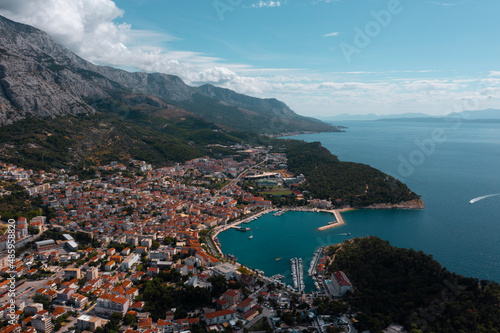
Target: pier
x,y
297,267
338,217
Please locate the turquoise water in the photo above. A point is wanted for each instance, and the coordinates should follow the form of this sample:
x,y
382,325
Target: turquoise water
x,y
455,165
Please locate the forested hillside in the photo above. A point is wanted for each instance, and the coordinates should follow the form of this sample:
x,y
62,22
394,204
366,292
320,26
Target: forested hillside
x,y
411,288
357,185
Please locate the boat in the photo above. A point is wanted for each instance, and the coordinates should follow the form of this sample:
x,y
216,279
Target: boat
x,y
277,259
348,233
250,237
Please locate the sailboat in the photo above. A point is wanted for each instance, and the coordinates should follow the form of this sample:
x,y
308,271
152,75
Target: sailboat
x,y
251,235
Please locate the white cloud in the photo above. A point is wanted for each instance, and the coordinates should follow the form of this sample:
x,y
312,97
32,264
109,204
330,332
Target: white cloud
x,y
88,28
271,3
332,34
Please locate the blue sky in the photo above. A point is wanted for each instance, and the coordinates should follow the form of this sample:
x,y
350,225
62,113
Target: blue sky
x,y
321,57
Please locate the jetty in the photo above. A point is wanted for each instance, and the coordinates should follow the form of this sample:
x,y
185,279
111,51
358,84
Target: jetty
x,y
297,267
339,220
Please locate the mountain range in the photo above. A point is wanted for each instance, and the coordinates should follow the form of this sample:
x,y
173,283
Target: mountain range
x,y
474,116
40,78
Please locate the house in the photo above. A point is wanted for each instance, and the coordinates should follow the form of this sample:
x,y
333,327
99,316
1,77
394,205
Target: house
x,y
85,322
165,326
58,312
138,306
109,265
232,296
79,301
218,317
145,323
186,324
245,305
72,273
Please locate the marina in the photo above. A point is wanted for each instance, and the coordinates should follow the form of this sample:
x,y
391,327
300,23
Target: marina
x,y
297,268
279,213
315,260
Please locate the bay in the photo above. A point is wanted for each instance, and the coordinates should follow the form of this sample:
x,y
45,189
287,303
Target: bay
x,y
448,164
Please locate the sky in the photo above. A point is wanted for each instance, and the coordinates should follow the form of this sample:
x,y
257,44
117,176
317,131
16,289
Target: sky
x,y
321,57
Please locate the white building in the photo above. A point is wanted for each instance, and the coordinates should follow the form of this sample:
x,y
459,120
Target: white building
x,y
226,270
129,261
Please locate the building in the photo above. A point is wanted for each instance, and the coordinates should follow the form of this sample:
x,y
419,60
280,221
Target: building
x,y
232,296
340,284
395,328
14,328
71,245
72,273
90,323
226,270
33,308
108,304
129,261
92,273
219,317
45,245
42,322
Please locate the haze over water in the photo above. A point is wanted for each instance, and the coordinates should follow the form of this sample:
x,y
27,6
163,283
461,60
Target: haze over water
x,y
463,165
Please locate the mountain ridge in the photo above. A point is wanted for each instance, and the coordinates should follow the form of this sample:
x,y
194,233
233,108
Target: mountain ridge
x,y
39,77
471,115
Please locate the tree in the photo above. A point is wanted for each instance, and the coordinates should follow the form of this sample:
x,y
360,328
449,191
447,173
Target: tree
x,y
155,245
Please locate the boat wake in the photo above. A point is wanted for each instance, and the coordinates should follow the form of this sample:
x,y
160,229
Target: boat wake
x,y
483,197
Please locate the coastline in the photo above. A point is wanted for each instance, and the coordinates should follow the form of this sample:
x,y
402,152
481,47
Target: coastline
x,y
416,204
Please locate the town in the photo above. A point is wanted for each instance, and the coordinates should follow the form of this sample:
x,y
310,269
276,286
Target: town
x,y
134,249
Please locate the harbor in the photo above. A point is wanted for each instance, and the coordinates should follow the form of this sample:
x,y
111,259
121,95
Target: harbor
x,y
271,233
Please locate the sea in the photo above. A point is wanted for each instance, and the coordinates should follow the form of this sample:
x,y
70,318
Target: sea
x,y
447,163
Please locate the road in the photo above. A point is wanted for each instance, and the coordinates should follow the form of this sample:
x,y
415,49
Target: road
x,y
235,181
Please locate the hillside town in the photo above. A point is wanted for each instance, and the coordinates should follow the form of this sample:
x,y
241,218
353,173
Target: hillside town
x,y
105,247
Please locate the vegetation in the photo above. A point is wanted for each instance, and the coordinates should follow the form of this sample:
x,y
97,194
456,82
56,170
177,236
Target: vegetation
x,y
18,203
161,296
403,286
355,184
80,143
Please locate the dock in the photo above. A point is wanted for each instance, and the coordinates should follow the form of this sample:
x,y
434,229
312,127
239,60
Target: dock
x,y
339,221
